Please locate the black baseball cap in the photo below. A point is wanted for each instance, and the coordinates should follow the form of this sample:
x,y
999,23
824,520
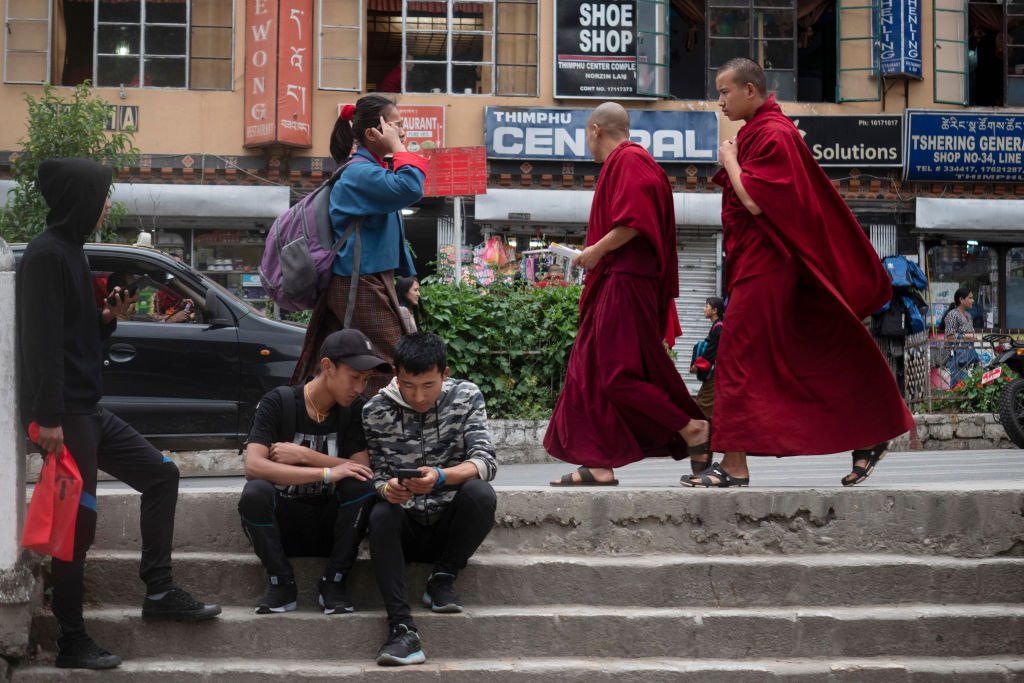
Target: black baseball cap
x,y
354,349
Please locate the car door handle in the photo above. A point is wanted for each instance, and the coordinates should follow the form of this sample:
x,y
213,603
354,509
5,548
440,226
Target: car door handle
x,y
121,353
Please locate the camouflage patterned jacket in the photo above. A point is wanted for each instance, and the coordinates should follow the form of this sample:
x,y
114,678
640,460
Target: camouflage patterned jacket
x,y
454,431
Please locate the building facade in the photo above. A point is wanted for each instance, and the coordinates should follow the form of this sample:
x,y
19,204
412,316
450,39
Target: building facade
x,y
914,107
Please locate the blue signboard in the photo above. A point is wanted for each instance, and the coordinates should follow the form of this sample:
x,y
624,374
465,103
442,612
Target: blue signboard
x,y
899,34
561,134
952,145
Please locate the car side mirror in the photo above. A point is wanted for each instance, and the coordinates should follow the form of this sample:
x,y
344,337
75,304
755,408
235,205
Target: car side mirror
x,y
217,312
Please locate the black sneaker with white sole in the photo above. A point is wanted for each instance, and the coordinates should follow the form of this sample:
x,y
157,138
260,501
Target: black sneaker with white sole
x,y
178,605
403,647
440,595
81,652
281,596
334,597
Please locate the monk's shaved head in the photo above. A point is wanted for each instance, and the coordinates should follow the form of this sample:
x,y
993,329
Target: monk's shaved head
x,y
612,118
746,71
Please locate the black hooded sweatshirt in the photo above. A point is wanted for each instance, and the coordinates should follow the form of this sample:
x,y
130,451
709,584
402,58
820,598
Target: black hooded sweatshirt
x,y
60,328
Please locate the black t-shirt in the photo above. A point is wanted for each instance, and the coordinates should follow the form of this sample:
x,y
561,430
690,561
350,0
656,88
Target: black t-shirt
x,y
340,435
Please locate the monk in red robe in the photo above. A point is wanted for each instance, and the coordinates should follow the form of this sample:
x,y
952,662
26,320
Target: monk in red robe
x,y
797,373
623,399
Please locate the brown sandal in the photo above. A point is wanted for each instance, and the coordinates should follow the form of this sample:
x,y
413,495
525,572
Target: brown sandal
x,y
586,479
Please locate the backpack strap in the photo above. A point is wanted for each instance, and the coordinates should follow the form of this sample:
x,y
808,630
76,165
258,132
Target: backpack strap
x,y
290,407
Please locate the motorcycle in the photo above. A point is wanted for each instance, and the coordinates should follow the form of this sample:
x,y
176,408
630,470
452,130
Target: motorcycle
x,y
1009,353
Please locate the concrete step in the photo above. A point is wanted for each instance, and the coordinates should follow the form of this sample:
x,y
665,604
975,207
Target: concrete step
x,y
577,631
563,669
640,581
947,522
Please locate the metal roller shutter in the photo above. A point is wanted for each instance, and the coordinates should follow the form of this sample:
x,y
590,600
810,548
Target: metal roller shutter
x,y
699,267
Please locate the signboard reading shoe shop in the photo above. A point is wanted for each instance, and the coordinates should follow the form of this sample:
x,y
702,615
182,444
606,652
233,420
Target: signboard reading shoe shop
x,y
595,48
561,134
853,141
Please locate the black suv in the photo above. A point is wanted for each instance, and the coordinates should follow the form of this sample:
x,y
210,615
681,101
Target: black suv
x,y
188,385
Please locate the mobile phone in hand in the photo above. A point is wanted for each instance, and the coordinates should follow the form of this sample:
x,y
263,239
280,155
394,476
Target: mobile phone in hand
x,y
408,474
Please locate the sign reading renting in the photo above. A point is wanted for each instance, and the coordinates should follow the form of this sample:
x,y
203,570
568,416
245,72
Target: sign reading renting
x,y
853,140
278,73
455,171
595,48
899,45
952,145
561,134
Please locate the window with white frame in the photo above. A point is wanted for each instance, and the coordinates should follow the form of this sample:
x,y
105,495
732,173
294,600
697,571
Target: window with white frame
x,y
340,46
130,43
454,47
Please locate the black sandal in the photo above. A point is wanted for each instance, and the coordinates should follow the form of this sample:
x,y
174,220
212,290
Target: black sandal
x,y
725,480
873,456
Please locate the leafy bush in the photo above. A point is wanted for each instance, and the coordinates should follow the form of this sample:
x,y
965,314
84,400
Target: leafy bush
x,y
971,396
513,343
59,127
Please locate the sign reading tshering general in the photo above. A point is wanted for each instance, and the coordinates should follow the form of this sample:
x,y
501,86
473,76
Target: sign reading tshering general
x,y
953,145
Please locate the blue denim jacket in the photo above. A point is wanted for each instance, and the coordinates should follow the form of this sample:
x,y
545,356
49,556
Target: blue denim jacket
x,y
368,189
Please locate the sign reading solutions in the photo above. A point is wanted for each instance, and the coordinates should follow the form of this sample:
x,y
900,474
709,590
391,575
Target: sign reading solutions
x,y
853,140
899,23
278,72
561,134
595,48
950,145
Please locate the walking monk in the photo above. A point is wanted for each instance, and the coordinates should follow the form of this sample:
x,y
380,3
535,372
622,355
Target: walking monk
x,y
797,371
623,399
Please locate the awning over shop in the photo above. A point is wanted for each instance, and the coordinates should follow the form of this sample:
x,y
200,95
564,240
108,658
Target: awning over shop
x,y
989,217
569,206
206,206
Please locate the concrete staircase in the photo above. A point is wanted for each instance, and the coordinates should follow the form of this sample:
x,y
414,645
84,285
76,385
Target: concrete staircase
x,y
663,584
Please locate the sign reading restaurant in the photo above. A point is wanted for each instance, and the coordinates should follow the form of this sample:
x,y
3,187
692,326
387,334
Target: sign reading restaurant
x,y
561,134
962,146
595,48
853,140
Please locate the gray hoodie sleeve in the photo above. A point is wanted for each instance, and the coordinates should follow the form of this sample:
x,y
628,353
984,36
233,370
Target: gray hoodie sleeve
x,y
477,438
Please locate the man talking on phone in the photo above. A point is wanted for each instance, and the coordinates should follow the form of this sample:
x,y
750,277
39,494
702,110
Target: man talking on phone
x,y
432,459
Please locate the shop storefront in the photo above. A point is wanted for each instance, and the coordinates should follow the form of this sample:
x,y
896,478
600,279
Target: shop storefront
x,y
972,243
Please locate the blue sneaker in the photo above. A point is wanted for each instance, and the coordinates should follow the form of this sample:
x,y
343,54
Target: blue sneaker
x,y
402,648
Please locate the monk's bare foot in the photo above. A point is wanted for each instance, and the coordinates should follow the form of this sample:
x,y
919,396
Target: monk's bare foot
x,y
696,432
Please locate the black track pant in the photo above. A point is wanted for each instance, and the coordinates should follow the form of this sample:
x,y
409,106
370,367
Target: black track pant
x,y
330,527
395,537
104,441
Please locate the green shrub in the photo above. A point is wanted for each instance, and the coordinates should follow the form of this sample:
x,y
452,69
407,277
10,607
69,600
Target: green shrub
x,y
512,343
971,396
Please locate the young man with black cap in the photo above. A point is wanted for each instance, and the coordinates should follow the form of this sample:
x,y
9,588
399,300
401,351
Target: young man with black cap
x,y
60,333
310,484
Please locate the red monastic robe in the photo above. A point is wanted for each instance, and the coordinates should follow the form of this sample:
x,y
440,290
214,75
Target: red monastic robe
x,y
623,399
797,371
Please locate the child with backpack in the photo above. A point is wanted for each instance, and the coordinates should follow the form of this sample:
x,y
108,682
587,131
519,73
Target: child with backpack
x,y
704,354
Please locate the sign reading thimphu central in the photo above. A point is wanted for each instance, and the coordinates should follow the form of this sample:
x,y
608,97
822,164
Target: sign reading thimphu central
x,y
561,134
278,73
595,48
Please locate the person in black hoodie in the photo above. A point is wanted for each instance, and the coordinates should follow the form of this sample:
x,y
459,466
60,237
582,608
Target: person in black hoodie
x,y
60,334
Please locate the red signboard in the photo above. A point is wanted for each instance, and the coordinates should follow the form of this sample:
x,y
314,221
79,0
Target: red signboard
x,y
424,127
455,171
260,72
278,72
295,74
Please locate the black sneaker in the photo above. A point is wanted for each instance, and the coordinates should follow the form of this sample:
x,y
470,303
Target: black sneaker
x,y
440,595
178,605
402,648
334,596
82,652
281,596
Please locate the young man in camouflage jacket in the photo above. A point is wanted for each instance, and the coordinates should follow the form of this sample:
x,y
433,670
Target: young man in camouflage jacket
x,y
436,426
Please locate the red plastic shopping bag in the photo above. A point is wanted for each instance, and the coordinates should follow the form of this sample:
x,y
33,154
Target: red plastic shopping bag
x,y
50,522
